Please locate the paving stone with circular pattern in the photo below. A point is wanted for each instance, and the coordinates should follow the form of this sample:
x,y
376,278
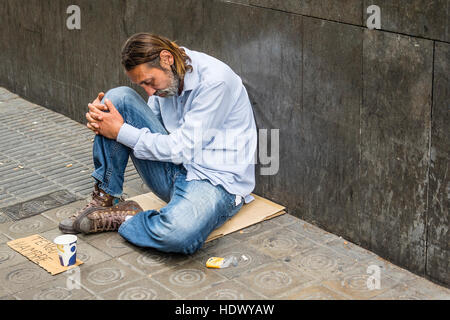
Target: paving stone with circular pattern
x,y
354,284
151,261
10,257
350,249
254,230
23,276
402,292
63,212
111,243
54,290
107,275
229,290
187,279
90,255
4,238
4,292
144,289
27,227
312,232
322,263
316,292
280,243
275,280
285,219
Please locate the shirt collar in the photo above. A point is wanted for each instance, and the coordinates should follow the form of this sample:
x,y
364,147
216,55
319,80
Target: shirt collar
x,y
191,79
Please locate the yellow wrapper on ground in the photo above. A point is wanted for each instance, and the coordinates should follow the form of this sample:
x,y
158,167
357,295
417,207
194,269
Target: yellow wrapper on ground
x,y
215,262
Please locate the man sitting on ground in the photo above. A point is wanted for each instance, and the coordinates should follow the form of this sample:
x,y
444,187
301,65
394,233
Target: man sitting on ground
x,y
193,144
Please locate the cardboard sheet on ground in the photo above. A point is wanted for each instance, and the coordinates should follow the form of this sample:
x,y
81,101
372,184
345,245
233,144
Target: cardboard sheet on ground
x,y
40,251
254,212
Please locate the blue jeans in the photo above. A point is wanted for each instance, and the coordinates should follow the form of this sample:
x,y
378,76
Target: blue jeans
x,y
194,208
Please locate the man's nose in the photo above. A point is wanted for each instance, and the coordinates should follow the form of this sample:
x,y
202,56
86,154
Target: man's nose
x,y
150,91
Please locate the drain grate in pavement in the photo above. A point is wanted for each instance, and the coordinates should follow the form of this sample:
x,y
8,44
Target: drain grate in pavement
x,y
38,205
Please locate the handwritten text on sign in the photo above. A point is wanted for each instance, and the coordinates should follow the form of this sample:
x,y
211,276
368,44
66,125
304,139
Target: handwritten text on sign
x,y
41,251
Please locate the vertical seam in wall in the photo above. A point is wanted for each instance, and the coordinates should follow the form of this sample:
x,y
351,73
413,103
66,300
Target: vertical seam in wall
x,y
303,63
429,160
360,133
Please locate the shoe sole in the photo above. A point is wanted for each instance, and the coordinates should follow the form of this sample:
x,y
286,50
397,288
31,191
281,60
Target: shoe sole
x,y
67,230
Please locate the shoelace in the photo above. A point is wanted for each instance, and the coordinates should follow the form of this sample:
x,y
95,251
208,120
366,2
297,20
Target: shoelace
x,y
108,222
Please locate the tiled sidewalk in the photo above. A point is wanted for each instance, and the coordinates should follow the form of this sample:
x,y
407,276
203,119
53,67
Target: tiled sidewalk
x,y
283,258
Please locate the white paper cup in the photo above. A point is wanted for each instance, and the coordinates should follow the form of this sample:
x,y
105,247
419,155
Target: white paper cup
x,y
67,249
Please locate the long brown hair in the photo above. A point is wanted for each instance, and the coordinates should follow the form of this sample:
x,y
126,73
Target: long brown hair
x,y
146,48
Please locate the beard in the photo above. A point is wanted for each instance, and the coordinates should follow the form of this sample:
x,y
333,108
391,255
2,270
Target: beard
x,y
173,87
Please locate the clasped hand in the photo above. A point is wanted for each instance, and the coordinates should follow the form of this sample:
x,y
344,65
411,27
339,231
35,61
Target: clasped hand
x,y
100,121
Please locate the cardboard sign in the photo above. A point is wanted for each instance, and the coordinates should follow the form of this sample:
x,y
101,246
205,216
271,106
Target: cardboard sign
x,y
251,213
42,252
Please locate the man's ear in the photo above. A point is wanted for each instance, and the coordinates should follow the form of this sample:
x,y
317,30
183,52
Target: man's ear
x,y
166,58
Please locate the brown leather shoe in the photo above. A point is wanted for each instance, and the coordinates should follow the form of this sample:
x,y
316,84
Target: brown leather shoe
x,y
106,219
100,199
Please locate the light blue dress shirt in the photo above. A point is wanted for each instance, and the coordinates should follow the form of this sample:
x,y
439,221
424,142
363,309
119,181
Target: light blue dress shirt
x,y
211,126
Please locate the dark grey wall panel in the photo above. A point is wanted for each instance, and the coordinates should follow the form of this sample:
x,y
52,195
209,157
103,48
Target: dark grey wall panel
x,y
268,57
7,42
395,126
65,69
421,18
349,11
438,254
424,18
86,59
60,68
330,125
181,21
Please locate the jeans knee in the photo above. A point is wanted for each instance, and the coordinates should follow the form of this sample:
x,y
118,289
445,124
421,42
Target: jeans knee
x,y
118,95
119,92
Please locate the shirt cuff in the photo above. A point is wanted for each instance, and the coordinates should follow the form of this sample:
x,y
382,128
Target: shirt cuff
x,y
128,135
